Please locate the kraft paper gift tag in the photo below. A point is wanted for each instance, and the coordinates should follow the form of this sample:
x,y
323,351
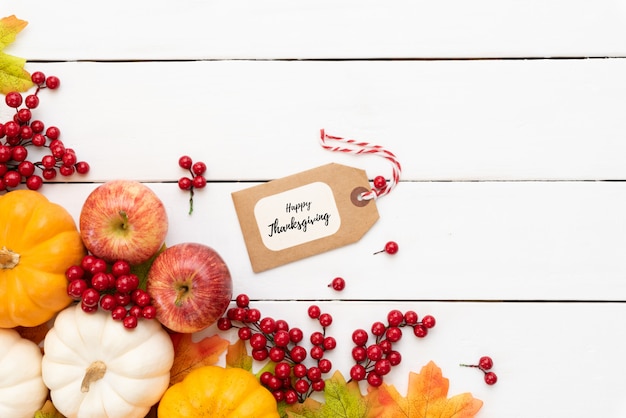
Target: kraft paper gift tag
x,y
304,214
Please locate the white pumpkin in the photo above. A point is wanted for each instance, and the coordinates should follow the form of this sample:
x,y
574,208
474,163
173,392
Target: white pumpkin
x,y
96,368
22,391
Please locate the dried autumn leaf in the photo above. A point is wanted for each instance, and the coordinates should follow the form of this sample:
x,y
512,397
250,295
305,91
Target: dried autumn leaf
x,y
237,356
342,400
48,411
427,397
189,355
35,334
13,76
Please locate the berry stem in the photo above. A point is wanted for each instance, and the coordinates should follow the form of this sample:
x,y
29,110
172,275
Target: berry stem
x,y
191,200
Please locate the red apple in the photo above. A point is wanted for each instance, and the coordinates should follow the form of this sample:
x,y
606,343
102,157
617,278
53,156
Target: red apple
x,y
191,287
123,220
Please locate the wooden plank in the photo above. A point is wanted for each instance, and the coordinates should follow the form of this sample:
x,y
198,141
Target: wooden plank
x,y
148,30
552,359
458,241
259,120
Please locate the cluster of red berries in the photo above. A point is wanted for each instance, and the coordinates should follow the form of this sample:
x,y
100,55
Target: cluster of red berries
x,y
113,288
291,380
196,179
485,363
375,360
24,131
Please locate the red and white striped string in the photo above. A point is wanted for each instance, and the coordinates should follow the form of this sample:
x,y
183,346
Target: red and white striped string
x,y
358,147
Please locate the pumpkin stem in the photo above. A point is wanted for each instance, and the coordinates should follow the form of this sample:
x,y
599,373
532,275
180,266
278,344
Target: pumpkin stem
x,y
95,372
8,259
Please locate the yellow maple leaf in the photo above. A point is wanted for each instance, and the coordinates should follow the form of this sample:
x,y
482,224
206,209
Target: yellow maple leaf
x,y
13,76
427,397
189,355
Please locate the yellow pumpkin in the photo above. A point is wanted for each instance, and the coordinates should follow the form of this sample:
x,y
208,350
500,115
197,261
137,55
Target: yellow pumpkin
x,y
217,392
38,242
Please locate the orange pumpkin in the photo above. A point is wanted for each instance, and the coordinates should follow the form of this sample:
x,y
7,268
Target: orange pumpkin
x,y
38,242
217,392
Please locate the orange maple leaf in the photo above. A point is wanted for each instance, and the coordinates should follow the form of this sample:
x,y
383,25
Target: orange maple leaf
x,y
189,355
427,397
237,356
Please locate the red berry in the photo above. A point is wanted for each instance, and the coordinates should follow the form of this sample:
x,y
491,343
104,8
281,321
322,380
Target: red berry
x,y
82,167
276,354
252,315
185,183
382,367
390,248
317,352
107,302
394,357
317,338
338,284
76,288
13,99
301,386
141,297
38,77
243,300
420,331
31,101
428,321
393,334
90,297
410,317
296,335
360,337
485,363
26,168
357,372
52,82
118,313
34,182
298,354
74,272
122,298
12,178
374,352
395,318
100,281
267,325
291,397
491,378
199,182
314,311
258,341
135,311
318,385
379,182
378,329
53,132
224,324
148,312
281,338
198,168
325,319
359,354
329,343
282,370
130,321
259,354
120,268
324,365
374,379
185,162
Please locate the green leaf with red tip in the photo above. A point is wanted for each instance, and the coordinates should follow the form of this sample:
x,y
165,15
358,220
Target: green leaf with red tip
x,y
13,76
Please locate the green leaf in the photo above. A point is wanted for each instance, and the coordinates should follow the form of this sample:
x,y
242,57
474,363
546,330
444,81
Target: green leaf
x,y
13,76
342,400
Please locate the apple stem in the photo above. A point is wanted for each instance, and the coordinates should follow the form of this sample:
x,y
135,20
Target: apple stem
x,y
180,295
124,217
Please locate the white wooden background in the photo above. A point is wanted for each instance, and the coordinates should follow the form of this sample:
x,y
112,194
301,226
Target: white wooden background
x,y
508,118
